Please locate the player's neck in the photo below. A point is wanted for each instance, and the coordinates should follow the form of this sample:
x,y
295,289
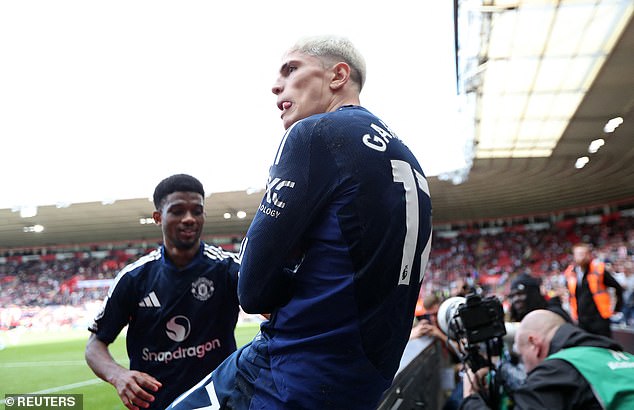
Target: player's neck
x,y
181,257
343,99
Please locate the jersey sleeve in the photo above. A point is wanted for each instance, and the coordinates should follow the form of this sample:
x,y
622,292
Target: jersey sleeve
x,y
116,309
233,271
232,263
295,190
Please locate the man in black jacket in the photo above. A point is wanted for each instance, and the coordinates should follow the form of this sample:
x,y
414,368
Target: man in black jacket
x,y
526,296
555,383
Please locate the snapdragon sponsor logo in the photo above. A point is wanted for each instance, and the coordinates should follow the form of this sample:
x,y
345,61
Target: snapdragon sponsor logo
x,y
181,352
178,328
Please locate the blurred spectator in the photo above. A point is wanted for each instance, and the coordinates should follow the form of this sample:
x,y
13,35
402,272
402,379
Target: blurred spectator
x,y
526,296
590,302
427,325
625,276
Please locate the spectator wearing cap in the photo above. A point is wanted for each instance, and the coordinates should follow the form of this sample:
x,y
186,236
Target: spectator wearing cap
x,y
526,296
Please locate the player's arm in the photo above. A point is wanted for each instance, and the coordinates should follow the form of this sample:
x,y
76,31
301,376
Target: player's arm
x,y
272,249
132,386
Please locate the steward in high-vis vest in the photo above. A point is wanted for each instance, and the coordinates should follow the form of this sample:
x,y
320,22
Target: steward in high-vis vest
x,y
595,278
567,368
588,281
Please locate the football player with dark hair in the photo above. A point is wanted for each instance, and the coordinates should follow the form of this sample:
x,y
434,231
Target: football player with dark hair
x,y
179,302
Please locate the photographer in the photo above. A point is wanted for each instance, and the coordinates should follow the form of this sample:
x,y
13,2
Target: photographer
x,y
525,296
475,326
565,366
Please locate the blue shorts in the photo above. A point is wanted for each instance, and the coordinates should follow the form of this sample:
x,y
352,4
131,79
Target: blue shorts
x,y
232,384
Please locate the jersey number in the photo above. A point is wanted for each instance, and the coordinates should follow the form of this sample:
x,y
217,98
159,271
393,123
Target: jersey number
x,y
411,179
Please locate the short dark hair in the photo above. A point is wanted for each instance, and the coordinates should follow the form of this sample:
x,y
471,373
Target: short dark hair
x,y
176,183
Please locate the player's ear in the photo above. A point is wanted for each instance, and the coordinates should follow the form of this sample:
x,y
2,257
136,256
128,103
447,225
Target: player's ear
x,y
156,215
341,75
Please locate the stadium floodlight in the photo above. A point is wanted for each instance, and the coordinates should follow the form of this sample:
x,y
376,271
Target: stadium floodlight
x,y
613,124
28,211
581,162
595,145
227,215
252,190
241,214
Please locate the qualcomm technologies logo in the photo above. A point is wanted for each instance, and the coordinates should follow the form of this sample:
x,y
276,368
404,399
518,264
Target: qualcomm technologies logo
x,y
178,328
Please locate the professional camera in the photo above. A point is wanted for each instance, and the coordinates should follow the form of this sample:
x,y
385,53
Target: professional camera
x,y
473,319
477,325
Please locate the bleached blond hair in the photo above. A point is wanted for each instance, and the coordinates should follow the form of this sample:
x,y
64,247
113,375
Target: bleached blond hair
x,y
332,49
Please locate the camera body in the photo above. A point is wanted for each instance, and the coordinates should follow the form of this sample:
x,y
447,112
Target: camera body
x,y
481,319
472,319
476,324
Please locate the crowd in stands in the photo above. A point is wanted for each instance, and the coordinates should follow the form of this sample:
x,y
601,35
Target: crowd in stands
x,y
491,257
45,288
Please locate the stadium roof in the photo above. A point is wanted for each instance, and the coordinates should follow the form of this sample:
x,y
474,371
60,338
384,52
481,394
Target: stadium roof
x,y
498,186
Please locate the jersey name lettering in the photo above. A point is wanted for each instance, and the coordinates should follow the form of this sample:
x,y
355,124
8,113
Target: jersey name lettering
x,y
378,142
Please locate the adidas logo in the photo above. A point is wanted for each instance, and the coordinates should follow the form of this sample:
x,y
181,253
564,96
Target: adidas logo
x,y
150,301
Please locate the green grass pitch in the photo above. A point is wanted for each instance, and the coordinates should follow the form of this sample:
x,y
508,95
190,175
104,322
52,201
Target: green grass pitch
x,y
53,362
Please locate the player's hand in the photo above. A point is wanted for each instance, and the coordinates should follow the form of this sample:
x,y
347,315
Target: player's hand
x,y
133,387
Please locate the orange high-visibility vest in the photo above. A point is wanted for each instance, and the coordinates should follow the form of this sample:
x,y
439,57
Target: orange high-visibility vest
x,y
420,309
597,288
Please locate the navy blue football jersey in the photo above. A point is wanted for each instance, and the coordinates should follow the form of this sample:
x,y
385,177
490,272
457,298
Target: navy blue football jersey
x,y
181,322
336,253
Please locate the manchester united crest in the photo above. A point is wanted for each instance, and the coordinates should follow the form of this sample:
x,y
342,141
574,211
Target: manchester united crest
x,y
202,288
